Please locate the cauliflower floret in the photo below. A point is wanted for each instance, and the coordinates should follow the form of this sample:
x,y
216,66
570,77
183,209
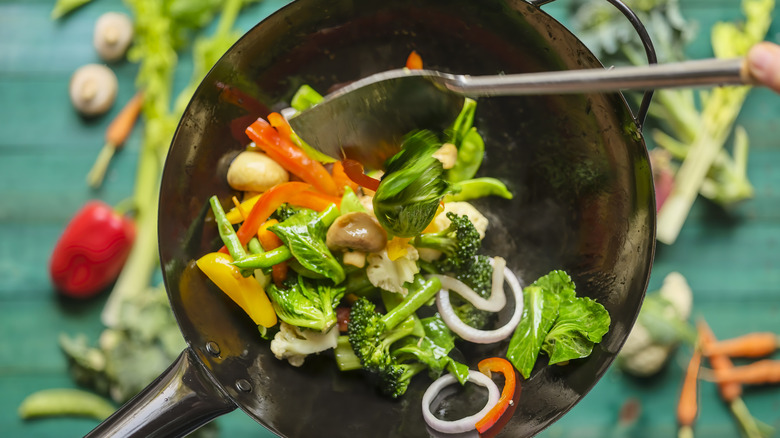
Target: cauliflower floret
x,y
462,208
294,343
391,275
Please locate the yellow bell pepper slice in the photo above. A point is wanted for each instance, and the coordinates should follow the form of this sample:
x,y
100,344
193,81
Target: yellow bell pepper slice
x,y
245,291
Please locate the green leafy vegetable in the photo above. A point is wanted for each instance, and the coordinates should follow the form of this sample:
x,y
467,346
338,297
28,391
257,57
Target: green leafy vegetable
x,y
540,309
304,233
409,194
581,324
306,304
557,322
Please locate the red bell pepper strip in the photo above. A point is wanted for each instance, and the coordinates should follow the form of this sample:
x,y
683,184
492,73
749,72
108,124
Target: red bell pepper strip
x,y
91,251
291,157
270,241
341,178
497,364
354,171
268,202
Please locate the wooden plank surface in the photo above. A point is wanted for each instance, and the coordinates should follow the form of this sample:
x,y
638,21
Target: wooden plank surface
x,y
731,258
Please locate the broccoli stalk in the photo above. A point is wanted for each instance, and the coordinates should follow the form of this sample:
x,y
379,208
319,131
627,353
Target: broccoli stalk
x,y
372,335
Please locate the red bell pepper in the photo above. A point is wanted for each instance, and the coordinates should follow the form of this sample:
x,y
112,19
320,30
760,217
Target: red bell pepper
x,y
91,251
354,171
268,202
499,365
291,157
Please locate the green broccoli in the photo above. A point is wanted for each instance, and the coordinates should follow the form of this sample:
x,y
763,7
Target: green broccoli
x,y
372,335
306,304
284,212
459,243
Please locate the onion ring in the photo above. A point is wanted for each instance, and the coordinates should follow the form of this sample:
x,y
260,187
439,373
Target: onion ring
x,y
464,424
497,299
472,334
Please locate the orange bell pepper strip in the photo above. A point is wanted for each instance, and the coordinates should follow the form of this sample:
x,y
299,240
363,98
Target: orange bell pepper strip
x,y
266,204
414,61
354,171
244,291
270,241
291,157
499,365
341,178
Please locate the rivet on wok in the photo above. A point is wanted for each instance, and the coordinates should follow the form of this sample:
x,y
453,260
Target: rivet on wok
x,y
212,348
243,385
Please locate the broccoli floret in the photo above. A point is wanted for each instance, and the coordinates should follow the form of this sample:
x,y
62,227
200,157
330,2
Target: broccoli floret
x,y
459,243
372,335
306,304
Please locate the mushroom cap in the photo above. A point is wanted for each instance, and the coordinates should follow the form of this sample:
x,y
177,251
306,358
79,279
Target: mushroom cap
x,y
358,231
93,89
112,35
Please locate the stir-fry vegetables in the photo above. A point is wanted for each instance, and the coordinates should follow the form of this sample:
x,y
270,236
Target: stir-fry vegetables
x,y
387,270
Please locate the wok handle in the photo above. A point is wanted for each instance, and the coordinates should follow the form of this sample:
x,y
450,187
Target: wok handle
x,y
647,42
181,400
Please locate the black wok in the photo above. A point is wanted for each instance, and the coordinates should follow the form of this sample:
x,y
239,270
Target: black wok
x,y
577,165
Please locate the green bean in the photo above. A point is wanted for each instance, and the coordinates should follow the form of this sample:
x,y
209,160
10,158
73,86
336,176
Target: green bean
x,y
264,260
226,231
65,402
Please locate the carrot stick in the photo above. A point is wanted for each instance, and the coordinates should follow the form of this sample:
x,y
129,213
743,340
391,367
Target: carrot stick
x,y
720,363
116,134
687,407
762,372
758,344
270,241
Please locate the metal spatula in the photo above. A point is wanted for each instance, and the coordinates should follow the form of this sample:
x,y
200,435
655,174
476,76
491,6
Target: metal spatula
x,y
366,119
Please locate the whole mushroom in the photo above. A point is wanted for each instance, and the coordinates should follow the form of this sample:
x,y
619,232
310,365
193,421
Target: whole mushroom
x,y
112,36
358,231
93,89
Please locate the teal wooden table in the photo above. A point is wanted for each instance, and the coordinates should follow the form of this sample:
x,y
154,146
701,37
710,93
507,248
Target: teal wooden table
x,y
730,258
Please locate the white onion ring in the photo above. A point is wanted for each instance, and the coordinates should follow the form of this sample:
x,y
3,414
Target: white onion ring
x,y
464,424
472,334
497,299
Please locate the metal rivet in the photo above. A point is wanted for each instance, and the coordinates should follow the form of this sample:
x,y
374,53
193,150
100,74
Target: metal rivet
x,y
212,348
243,385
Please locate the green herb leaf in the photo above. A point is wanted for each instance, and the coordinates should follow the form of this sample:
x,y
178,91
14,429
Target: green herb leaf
x,y
540,309
304,233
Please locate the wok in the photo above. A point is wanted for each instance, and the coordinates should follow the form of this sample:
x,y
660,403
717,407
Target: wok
x,y
577,165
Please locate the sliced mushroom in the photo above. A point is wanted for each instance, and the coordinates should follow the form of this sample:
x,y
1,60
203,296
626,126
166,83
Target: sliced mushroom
x,y
255,172
93,89
358,231
112,36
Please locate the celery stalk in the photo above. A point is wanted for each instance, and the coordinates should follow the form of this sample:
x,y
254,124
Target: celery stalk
x,y
721,107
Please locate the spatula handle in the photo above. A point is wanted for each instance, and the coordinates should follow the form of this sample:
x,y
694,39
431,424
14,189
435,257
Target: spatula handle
x,y
707,72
